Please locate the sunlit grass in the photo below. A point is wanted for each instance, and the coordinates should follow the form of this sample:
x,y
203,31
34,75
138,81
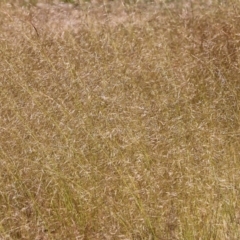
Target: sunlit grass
x,y
119,120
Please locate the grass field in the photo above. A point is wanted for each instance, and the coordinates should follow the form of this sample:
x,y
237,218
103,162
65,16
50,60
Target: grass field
x,y
120,120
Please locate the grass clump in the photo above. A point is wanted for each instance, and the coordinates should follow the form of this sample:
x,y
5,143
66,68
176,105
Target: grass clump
x,y
120,121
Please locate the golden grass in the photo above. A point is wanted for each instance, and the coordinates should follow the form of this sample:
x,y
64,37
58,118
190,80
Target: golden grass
x,y
120,120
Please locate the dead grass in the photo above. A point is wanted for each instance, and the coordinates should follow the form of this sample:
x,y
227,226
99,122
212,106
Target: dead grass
x,y
120,120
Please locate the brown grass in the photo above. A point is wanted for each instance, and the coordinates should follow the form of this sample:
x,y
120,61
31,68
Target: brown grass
x,y
120,120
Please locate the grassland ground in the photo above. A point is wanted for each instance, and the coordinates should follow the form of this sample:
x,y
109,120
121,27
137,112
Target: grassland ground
x,y
119,120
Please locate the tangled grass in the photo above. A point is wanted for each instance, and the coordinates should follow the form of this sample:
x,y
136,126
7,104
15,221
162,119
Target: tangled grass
x,y
119,120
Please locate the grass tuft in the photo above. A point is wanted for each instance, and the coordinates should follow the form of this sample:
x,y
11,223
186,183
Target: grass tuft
x,y
119,120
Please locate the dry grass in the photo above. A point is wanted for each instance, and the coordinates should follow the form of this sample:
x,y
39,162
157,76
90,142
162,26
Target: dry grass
x,y
120,120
